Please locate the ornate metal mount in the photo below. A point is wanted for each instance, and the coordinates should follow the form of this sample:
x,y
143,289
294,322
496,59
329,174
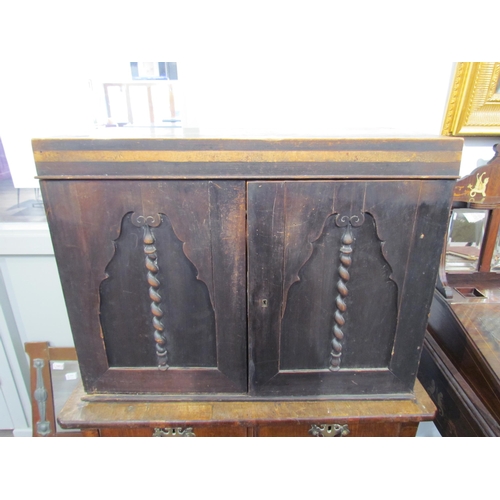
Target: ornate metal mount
x,y
148,223
325,430
174,432
41,395
347,240
480,187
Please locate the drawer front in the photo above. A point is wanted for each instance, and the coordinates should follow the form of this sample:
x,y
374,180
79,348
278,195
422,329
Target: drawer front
x,y
352,429
194,431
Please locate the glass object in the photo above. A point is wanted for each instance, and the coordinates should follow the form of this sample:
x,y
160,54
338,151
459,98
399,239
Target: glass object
x,y
465,238
65,376
495,260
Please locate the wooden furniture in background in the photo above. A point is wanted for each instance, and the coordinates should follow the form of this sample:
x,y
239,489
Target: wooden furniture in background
x,y
228,268
464,323
247,418
43,389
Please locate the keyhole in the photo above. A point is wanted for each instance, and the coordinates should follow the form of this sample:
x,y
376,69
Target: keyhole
x,y
264,302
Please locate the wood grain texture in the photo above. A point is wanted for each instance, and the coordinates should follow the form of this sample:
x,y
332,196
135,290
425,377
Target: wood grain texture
x,y
467,333
294,243
219,431
357,429
384,201
85,243
460,412
239,158
118,415
125,303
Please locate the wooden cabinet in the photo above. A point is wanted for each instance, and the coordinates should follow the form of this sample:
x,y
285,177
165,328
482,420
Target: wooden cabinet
x,y
461,362
197,268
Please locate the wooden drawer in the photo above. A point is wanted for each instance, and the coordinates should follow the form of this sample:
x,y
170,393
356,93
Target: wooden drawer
x,y
356,429
203,431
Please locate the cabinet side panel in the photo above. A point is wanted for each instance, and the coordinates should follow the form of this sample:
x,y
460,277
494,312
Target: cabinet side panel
x,y
423,262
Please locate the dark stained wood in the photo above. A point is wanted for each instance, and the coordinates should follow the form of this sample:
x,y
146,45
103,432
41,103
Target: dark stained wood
x,y
467,332
246,159
481,188
248,418
491,281
460,413
86,242
151,238
126,317
464,319
423,263
294,251
489,241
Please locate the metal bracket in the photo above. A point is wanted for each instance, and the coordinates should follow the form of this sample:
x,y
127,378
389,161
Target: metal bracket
x,y
329,430
174,432
41,395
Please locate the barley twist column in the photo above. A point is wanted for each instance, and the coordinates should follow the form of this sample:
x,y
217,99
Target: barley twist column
x,y
338,334
151,262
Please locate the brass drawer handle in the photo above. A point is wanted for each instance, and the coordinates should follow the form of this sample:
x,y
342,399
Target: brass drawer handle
x,y
174,432
327,430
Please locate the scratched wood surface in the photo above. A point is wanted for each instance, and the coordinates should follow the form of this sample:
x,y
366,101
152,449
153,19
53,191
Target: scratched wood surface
x,y
248,159
460,412
202,282
234,418
468,332
190,198
294,243
466,324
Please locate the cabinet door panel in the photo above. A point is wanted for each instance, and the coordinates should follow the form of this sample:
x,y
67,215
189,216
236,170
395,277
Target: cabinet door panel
x,y
154,279
328,288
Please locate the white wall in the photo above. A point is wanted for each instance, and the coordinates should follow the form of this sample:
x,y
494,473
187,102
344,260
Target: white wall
x,y
230,97
313,97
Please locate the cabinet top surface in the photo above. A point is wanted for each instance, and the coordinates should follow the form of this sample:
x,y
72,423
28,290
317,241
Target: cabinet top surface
x,y
271,158
85,414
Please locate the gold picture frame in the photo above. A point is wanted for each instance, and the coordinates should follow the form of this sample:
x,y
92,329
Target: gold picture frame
x,y
474,102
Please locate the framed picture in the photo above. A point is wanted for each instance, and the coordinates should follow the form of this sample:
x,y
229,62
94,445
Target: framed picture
x,y
474,102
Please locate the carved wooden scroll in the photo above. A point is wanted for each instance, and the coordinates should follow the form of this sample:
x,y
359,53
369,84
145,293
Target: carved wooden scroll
x,y
150,251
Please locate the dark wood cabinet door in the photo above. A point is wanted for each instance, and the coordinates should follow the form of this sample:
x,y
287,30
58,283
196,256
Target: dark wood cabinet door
x,y
154,279
341,276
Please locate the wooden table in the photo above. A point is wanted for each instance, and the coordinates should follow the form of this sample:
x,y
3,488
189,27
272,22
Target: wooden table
x,y
460,365
361,418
